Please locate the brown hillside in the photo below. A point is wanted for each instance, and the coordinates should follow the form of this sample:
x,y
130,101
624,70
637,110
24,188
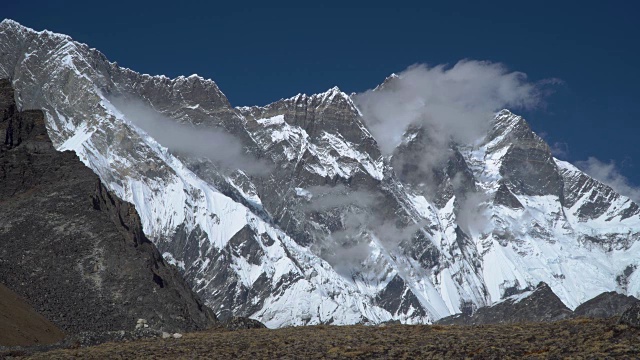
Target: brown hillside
x,y
21,325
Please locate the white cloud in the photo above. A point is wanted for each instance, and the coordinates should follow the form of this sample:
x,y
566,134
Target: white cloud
x,y
560,150
349,246
452,102
220,147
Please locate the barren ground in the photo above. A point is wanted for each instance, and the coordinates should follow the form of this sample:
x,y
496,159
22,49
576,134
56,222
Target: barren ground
x,y
577,338
20,324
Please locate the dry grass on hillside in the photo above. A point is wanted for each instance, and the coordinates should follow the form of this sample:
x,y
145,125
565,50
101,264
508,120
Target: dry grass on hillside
x,y
577,338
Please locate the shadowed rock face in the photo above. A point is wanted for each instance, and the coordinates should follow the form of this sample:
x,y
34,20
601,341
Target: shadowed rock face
x,y
528,167
540,305
75,251
599,196
631,316
436,175
606,305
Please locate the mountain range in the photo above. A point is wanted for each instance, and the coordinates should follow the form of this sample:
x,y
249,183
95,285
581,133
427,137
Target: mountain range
x,y
291,214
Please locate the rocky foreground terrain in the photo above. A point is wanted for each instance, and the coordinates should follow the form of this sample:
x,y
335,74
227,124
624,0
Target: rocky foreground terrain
x,y
580,338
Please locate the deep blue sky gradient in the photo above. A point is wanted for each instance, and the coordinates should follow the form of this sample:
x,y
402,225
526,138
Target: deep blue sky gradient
x,y
259,53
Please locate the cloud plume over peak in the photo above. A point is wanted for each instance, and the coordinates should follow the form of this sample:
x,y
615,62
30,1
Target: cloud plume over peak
x,y
438,107
452,102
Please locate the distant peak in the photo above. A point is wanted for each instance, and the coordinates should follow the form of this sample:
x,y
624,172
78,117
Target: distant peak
x,y
387,81
12,24
505,117
331,93
332,96
324,96
9,22
195,77
504,112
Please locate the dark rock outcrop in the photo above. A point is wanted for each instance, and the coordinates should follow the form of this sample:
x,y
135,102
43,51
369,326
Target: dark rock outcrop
x,y
539,305
76,252
506,198
605,305
542,305
528,167
240,323
631,316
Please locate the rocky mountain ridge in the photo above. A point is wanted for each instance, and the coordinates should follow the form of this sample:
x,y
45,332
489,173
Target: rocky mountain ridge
x,y
537,305
335,232
72,249
542,305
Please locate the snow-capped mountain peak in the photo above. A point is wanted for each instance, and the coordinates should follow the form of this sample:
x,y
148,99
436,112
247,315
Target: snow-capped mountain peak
x,y
334,232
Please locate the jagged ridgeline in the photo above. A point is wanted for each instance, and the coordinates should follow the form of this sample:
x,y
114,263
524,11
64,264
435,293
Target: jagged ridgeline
x,y
316,225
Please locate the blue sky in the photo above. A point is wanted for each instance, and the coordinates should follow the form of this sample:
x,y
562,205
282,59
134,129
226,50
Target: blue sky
x,y
258,54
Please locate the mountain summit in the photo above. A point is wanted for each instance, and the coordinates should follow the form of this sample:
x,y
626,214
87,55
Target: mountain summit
x,y
328,230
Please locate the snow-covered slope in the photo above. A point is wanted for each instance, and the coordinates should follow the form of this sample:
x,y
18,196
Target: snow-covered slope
x,y
335,232
539,228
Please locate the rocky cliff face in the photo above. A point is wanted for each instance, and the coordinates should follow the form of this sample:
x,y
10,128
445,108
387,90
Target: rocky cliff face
x,y
606,305
537,305
542,305
74,250
334,232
